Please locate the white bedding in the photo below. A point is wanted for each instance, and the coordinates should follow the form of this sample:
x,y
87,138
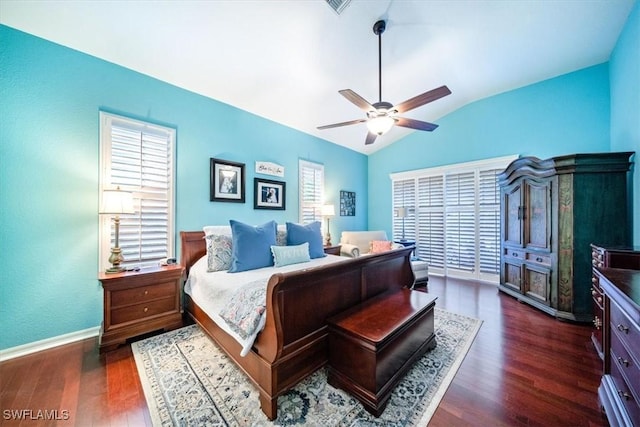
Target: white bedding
x,y
211,290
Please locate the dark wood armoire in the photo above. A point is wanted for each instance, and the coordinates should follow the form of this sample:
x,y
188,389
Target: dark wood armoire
x,y
551,212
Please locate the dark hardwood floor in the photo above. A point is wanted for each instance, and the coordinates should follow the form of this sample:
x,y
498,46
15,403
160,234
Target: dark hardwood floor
x,y
524,369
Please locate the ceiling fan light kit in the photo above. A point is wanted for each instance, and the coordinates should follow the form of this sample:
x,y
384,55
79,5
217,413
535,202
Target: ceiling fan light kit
x,y
381,116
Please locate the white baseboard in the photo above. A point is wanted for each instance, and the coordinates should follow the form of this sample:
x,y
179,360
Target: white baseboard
x,y
23,350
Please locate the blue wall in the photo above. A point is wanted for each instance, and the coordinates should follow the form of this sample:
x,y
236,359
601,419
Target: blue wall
x,y
50,99
563,115
625,102
49,146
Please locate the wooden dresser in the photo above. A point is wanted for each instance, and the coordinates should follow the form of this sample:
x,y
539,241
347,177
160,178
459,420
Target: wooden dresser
x,y
138,302
619,391
551,210
613,257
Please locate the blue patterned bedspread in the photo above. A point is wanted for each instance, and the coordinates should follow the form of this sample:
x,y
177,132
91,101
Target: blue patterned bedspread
x,y
244,309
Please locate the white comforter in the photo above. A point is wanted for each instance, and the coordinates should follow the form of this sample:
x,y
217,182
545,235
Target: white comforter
x,y
211,291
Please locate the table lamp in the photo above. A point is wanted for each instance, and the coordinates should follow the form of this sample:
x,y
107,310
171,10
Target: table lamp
x,y
327,212
402,213
116,202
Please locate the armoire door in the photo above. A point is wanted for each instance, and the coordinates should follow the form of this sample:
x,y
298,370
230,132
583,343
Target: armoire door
x,y
537,215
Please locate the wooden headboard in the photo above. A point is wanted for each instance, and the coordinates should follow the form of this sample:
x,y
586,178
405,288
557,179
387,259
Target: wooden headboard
x,y
192,247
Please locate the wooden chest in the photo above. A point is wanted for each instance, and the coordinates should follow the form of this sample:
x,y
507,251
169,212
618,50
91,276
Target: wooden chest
x,y
373,345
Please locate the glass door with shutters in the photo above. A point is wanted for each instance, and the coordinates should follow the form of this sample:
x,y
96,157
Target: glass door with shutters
x,y
453,214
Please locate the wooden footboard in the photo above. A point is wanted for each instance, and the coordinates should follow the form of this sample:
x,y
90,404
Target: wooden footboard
x,y
294,342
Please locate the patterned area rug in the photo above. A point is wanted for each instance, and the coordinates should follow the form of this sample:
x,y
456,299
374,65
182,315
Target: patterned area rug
x,y
188,381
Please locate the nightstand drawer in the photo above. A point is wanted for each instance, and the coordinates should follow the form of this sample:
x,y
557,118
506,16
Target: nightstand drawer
x,y
142,294
141,311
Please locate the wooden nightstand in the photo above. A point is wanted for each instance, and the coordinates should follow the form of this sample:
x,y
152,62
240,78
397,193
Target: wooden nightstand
x,y
137,302
332,250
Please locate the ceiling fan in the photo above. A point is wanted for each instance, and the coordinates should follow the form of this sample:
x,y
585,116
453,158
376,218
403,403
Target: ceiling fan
x,y
381,115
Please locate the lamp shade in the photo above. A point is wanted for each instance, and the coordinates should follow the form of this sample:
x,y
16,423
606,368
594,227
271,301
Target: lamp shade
x,y
328,210
117,202
402,212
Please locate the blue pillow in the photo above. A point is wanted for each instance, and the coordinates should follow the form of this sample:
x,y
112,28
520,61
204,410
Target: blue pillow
x,y
285,255
310,233
251,246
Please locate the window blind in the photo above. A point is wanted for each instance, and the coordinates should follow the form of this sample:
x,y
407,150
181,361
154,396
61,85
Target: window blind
x,y
138,157
311,185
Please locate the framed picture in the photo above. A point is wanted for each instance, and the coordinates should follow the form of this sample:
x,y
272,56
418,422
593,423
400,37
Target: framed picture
x,y
269,194
347,203
227,181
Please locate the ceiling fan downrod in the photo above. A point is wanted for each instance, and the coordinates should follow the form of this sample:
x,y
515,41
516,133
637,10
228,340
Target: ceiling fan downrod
x,y
378,29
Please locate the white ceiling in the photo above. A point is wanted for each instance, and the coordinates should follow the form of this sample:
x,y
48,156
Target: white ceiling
x,y
286,60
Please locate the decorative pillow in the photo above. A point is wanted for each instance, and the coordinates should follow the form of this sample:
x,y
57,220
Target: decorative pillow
x,y
285,255
251,246
378,246
218,252
281,237
310,233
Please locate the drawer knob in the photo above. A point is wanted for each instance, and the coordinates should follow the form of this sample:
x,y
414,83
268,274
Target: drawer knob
x,y
514,254
623,328
146,309
538,259
594,262
623,362
594,280
624,395
593,292
146,292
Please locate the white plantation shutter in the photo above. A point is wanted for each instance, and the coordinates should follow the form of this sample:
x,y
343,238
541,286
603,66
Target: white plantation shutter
x,y
489,222
460,221
311,184
455,218
139,157
430,242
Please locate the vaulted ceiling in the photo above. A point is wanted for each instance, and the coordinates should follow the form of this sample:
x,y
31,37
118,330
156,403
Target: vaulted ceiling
x,y
285,60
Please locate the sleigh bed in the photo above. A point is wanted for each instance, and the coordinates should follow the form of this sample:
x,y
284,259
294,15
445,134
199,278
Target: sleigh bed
x,y
293,342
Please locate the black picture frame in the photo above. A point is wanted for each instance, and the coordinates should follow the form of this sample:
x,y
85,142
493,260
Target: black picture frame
x,y
269,194
347,203
227,181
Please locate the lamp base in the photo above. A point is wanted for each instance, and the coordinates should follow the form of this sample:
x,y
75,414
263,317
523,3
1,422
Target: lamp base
x,y
115,259
327,240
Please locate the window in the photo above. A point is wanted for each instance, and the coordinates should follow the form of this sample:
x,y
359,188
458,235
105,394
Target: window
x,y
138,157
453,216
311,184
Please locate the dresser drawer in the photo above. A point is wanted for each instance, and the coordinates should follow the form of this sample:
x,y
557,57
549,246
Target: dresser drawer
x,y
142,294
538,258
140,311
626,330
626,363
625,395
515,253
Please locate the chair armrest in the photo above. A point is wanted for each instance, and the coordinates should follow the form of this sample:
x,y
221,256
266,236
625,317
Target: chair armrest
x,y
349,250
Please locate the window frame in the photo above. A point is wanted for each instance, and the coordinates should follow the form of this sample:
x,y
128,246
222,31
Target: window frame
x,y
316,205
440,209
107,120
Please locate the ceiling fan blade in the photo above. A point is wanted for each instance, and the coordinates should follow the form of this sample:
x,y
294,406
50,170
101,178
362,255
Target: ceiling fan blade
x,y
415,124
422,99
335,125
371,137
356,99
